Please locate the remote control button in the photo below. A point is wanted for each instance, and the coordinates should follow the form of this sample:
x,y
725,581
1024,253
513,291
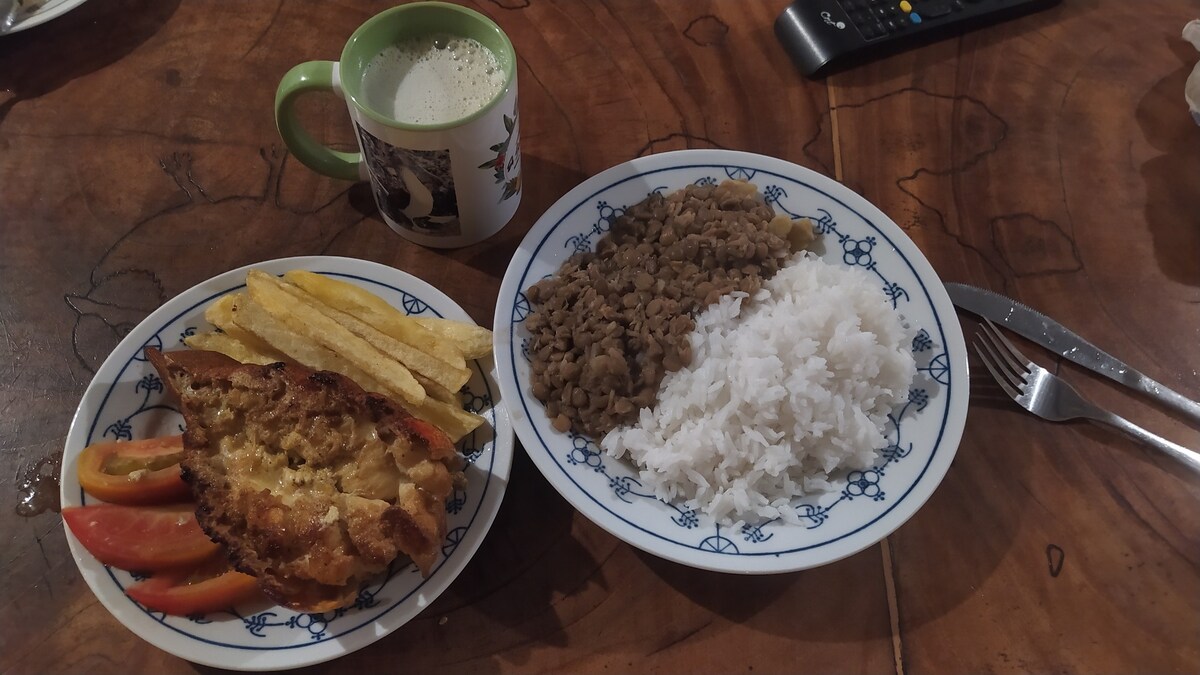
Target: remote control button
x,y
932,10
870,31
915,18
905,6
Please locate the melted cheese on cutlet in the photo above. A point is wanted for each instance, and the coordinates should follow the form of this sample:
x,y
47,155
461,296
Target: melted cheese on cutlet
x,y
248,466
375,474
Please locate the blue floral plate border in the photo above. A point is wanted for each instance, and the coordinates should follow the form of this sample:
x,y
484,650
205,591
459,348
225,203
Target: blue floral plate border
x,y
126,400
865,506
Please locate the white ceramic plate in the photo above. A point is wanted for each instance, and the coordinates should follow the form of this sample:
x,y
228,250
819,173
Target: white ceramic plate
x,y
125,400
867,505
47,10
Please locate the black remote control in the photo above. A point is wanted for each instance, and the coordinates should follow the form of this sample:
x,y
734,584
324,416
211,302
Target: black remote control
x,y
823,36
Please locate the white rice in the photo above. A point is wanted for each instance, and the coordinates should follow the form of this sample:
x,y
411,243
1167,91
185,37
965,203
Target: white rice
x,y
777,397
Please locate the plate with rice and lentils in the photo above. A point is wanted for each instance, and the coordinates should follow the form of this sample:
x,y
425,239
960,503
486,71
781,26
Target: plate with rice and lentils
x,y
731,361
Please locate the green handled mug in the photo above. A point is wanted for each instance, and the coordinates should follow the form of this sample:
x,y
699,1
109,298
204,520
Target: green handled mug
x,y
442,183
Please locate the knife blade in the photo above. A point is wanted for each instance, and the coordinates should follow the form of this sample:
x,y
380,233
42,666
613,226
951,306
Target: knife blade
x,y
1033,325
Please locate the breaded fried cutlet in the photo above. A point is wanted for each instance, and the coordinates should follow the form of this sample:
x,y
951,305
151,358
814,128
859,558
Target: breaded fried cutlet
x,y
313,485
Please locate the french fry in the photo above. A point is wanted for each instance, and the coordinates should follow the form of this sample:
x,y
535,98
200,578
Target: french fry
x,y
410,357
235,348
253,318
311,322
435,390
220,314
376,312
475,342
327,324
448,417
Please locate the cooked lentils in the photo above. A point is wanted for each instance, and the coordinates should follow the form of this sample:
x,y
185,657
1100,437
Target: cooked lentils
x,y
612,323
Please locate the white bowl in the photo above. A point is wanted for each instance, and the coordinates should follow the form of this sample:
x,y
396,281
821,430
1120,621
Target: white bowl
x,y
867,505
126,400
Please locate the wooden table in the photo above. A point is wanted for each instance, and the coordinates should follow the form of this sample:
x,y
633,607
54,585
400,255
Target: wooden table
x,y
1050,158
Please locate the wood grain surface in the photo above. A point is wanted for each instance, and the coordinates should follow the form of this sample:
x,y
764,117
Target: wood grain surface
x,y
1050,158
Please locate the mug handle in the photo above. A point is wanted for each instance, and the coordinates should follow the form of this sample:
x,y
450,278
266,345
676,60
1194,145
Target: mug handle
x,y
306,77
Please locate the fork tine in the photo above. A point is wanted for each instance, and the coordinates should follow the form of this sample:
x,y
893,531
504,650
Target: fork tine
x,y
1002,360
1002,380
1021,362
990,359
1005,349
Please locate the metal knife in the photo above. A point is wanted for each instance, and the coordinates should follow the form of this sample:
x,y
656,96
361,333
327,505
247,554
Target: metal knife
x,y
1052,335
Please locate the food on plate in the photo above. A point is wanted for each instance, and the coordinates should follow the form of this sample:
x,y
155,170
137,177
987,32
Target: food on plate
x,y
327,324
782,391
611,323
418,362
375,311
233,341
134,472
208,587
253,317
232,347
141,538
303,318
153,530
475,342
308,483
314,485
448,417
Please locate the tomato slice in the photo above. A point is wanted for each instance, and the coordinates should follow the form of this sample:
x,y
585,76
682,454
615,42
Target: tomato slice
x,y
134,472
141,538
210,587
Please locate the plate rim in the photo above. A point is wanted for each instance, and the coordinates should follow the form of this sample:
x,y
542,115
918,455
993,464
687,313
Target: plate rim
x,y
43,14
916,495
201,650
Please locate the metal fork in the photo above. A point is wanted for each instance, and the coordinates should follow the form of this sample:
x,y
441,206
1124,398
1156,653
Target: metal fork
x,y
1050,397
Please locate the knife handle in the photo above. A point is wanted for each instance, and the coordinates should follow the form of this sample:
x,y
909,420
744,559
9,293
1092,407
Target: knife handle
x,y
1189,458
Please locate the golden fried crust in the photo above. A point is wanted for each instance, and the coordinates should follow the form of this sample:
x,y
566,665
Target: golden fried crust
x,y
314,486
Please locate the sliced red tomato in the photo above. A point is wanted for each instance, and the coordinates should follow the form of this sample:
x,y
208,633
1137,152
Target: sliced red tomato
x,y
211,587
141,538
134,472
